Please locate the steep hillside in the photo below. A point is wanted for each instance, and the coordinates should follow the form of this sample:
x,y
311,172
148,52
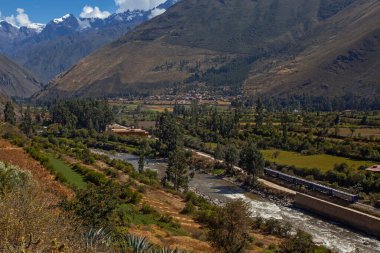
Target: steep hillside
x,y
341,58
267,46
16,81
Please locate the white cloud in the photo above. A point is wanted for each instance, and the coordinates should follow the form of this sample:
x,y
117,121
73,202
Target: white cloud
x,y
94,12
124,5
155,12
21,19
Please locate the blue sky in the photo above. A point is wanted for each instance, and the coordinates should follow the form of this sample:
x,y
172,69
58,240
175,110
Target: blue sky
x,y
42,11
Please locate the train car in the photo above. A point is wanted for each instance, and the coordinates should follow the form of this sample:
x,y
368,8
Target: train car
x,y
322,189
311,185
271,173
345,196
285,177
305,183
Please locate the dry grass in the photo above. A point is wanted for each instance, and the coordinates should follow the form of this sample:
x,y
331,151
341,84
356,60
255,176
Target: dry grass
x,y
17,156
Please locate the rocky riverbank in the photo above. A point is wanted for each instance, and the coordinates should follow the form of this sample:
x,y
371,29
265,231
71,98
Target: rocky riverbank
x,y
260,190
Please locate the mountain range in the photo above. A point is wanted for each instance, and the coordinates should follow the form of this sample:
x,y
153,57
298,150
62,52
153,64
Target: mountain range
x,y
47,50
267,47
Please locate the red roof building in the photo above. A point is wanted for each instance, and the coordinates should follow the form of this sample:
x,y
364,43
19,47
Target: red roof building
x,y
374,168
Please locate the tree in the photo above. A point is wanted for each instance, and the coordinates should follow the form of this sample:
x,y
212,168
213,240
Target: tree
x,y
27,122
219,152
285,127
9,113
229,227
260,113
169,133
251,160
364,120
337,119
301,243
178,171
353,130
231,156
143,152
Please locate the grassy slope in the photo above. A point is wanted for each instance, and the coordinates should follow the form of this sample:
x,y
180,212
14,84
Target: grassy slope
x,y
324,162
71,176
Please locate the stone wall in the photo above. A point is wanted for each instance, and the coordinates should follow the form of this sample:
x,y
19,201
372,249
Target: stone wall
x,y
355,219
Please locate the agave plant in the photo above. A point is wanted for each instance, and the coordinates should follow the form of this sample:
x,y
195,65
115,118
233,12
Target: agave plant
x,y
166,250
138,244
97,237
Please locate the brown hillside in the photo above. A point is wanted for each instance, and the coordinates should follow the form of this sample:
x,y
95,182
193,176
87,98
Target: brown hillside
x,y
317,47
16,81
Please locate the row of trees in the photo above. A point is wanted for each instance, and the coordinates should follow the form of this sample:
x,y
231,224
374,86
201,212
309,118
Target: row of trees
x,y
323,103
26,124
84,113
249,158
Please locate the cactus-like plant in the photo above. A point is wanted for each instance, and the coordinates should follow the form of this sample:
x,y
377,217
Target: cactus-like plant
x,y
138,244
166,250
96,237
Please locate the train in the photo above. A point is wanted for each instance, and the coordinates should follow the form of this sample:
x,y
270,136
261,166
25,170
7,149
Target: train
x,y
312,186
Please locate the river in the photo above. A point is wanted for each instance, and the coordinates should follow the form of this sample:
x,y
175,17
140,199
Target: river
x,y
327,233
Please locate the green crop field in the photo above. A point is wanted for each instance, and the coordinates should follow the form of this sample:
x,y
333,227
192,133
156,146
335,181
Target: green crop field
x,y
65,170
324,162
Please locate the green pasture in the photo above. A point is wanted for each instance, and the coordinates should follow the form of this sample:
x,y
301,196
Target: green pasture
x,y
323,162
72,177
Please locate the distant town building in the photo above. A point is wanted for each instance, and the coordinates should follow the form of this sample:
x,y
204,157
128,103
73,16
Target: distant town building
x,y
128,131
374,168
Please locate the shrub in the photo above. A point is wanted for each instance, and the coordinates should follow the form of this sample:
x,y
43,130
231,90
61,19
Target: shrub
x,y
90,175
188,209
147,209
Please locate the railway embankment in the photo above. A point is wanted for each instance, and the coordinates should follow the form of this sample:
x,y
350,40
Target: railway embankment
x,y
347,216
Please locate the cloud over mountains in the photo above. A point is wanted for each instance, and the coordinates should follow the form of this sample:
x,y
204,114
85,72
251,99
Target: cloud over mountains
x,y
124,5
21,19
94,12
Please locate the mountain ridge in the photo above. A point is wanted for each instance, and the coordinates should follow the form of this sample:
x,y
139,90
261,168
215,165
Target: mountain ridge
x,y
44,51
268,48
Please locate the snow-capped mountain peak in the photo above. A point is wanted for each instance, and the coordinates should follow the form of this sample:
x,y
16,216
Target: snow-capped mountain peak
x,y
61,19
36,27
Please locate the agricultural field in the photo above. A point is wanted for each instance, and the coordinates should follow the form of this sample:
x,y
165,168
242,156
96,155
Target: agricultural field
x,y
158,108
72,177
323,162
